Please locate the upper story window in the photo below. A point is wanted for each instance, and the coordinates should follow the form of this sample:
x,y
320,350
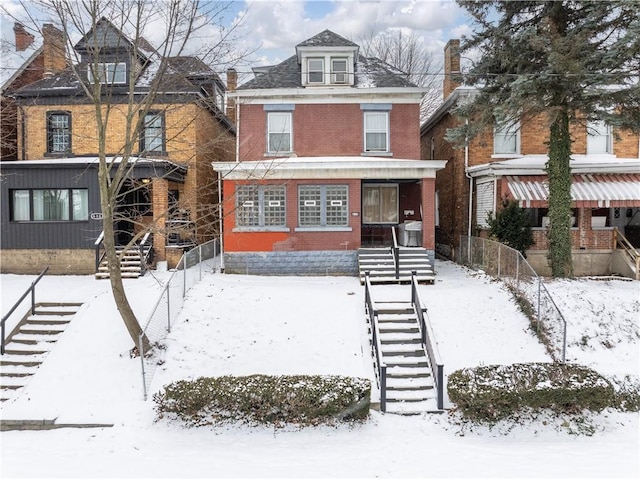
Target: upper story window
x,y
152,138
376,131
506,140
599,138
58,132
339,71
110,73
49,205
279,132
315,70
260,206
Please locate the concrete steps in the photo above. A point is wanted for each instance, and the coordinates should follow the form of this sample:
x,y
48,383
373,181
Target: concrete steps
x,y
410,387
29,343
131,263
380,265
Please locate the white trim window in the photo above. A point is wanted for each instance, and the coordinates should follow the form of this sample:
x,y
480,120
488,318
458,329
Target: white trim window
x,y
339,72
279,132
261,206
323,205
506,140
315,70
380,203
109,73
376,131
599,138
485,201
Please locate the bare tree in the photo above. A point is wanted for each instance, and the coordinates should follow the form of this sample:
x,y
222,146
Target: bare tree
x,y
155,85
409,54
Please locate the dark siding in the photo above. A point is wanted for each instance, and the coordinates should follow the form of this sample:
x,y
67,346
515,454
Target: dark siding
x,y
48,235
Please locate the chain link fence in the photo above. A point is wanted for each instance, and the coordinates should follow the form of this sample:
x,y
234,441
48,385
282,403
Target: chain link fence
x,y
188,272
507,264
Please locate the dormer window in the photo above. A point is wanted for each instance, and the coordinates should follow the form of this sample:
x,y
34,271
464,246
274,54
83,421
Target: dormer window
x,y
109,73
339,70
315,70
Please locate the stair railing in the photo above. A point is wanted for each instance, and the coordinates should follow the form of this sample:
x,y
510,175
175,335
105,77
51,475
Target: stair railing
x,y
375,342
621,242
428,341
146,251
31,289
98,245
395,251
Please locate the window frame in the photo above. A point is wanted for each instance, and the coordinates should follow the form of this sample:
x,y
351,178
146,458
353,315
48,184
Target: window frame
x,y
335,72
378,220
506,132
596,127
71,205
264,214
311,71
51,132
144,128
326,215
274,114
386,131
107,78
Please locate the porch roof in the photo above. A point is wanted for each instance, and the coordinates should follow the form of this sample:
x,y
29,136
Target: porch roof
x,y
330,167
587,190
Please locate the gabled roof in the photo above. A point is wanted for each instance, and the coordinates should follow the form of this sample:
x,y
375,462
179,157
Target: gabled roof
x,y
106,36
369,73
327,39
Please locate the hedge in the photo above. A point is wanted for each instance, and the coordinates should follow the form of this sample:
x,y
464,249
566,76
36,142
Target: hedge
x,y
262,399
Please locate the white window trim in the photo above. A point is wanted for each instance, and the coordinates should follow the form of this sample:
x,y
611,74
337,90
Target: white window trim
x,y
387,133
512,130
269,150
596,125
334,73
105,67
310,71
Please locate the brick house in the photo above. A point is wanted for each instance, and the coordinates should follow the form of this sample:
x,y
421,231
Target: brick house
x,y
50,199
510,164
327,160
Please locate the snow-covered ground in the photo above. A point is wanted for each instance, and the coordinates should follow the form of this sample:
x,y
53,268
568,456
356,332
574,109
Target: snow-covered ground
x,y
285,325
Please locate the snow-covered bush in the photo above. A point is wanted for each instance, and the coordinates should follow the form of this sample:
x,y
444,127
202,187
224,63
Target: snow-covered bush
x,y
491,393
262,399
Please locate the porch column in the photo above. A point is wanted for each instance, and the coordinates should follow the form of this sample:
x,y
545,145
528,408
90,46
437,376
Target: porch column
x,y
160,202
428,193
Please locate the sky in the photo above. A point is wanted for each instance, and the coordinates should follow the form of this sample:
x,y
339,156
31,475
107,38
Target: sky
x,y
269,30
239,324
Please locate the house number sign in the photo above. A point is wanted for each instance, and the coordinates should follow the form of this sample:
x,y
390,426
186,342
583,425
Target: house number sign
x,y
96,216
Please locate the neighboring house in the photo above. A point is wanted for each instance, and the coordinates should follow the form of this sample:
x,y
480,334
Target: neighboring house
x,y
51,211
510,164
327,161
28,60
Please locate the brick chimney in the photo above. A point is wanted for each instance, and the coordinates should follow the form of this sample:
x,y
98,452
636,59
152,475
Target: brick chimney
x,y
54,51
451,67
232,84
24,39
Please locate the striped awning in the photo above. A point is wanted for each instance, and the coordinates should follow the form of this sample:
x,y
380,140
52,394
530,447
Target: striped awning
x,y
587,190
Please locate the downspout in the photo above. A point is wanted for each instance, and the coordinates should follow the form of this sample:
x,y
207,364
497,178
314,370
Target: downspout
x,y
221,221
23,136
466,172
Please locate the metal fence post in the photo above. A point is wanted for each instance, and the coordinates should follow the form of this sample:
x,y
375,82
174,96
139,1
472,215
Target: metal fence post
x,y
499,259
200,261
141,351
539,301
184,276
168,308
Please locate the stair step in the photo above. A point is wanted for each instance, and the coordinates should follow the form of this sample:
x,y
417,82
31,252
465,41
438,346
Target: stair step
x,y
407,372
33,338
409,383
407,361
397,327
404,348
19,348
409,395
413,407
11,382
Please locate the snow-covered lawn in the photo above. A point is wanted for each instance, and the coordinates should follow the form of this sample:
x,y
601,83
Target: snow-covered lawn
x,y
286,325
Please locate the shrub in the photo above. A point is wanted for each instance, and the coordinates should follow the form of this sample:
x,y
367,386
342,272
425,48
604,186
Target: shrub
x,y
261,399
626,393
491,393
510,226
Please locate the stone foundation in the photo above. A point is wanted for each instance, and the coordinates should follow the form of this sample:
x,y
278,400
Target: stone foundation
x,y
60,261
294,263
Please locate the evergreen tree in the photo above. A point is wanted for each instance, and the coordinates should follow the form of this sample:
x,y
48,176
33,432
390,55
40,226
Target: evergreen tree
x,y
571,61
510,226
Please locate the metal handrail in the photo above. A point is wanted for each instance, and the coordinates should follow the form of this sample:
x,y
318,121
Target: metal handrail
x,y
428,342
621,241
31,289
395,251
375,342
